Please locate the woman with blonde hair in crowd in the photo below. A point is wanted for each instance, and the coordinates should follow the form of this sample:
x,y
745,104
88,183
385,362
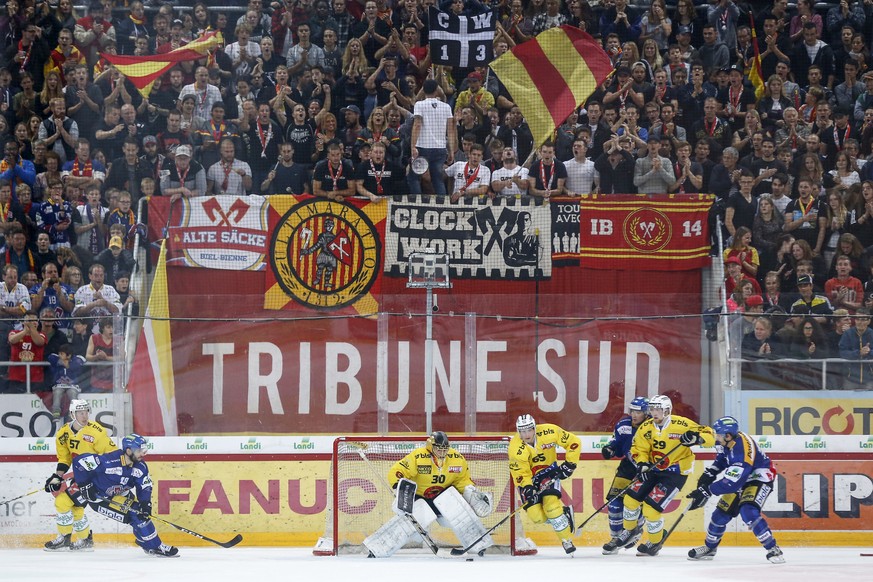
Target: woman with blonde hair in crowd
x,y
51,89
773,104
652,58
811,169
742,140
843,174
837,223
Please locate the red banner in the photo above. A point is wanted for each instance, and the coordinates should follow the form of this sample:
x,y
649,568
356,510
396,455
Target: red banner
x,y
325,254
641,232
341,374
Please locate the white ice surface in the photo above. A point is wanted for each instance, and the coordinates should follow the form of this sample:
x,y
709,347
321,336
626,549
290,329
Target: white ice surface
x,y
242,564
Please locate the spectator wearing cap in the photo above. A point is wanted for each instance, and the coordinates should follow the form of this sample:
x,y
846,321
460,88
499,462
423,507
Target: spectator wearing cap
x,y
856,344
386,82
714,54
810,304
151,155
621,91
734,275
736,99
115,260
351,129
475,96
126,173
182,176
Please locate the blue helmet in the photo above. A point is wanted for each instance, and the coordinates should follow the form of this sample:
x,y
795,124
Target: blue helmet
x,y
639,404
133,442
726,425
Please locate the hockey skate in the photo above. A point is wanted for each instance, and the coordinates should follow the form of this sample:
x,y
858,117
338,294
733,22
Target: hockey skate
x,y
648,549
635,537
622,540
163,551
568,546
83,545
702,553
774,555
59,544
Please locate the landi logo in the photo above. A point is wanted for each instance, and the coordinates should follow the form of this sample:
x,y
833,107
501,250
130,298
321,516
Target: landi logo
x,y
198,445
868,444
604,440
41,445
816,443
765,443
304,445
251,445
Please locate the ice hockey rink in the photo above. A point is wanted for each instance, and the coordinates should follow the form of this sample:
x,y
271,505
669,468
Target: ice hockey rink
x,y
266,564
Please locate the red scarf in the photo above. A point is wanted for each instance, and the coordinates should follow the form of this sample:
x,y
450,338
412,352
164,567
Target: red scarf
x,y
378,176
265,138
86,171
27,54
227,168
335,177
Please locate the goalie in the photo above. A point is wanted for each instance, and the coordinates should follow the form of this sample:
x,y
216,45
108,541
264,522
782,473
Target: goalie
x,y
444,492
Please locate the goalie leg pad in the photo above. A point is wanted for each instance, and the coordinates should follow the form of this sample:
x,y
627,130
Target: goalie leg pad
x,y
459,516
398,531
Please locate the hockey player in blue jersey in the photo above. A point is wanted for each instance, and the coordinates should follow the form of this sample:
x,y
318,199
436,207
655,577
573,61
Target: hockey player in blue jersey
x,y
104,482
618,448
746,480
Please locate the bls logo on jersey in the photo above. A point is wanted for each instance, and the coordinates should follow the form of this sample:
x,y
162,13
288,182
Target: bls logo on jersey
x,y
325,254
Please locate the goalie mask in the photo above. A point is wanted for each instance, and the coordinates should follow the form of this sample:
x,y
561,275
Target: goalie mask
x,y
438,444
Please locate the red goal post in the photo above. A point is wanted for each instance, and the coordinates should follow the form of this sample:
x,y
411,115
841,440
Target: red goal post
x,y
359,498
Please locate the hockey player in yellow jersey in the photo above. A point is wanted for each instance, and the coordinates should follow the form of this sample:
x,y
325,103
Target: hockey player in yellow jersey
x,y
533,463
444,493
661,450
78,437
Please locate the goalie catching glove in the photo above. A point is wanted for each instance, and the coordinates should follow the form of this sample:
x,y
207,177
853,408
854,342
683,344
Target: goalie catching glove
x,y
480,501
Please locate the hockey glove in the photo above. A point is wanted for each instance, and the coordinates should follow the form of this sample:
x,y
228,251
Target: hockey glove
x,y
529,496
644,471
543,477
53,483
607,452
89,492
145,510
691,438
698,497
708,477
566,469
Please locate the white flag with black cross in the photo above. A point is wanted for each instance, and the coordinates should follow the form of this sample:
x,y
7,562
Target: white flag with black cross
x,y
461,41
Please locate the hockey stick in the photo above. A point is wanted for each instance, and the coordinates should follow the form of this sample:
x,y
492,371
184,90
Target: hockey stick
x,y
21,496
462,551
126,507
620,493
362,447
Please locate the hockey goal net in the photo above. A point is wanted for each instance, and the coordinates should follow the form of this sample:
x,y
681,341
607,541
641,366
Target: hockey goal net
x,y
360,498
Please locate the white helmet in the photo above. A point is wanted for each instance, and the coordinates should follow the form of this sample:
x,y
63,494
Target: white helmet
x,y
79,405
525,422
661,402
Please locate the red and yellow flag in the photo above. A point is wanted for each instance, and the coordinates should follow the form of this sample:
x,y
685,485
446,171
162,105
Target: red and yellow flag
x,y
755,75
142,71
551,75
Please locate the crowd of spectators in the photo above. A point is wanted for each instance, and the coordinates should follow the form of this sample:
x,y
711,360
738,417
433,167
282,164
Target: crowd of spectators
x,y
327,97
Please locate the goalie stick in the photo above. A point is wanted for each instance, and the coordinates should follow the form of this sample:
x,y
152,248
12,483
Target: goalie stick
x,y
127,506
21,496
620,493
403,498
